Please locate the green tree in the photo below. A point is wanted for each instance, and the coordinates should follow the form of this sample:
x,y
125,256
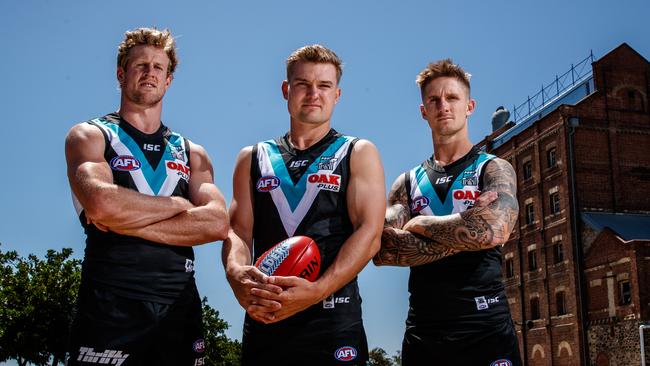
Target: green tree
x,y
379,357
219,349
37,298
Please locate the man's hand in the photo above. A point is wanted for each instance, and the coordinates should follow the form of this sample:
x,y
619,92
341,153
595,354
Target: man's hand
x,y
243,279
298,295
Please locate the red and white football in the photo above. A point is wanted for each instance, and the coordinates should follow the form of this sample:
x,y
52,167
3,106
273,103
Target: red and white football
x,y
296,256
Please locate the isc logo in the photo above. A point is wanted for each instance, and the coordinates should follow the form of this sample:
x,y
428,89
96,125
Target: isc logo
x,y
125,163
443,180
298,163
419,204
345,353
501,362
267,183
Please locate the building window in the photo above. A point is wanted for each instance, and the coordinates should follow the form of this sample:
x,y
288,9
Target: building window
x,y
528,170
555,203
510,268
532,260
551,158
560,303
530,214
534,308
626,292
558,252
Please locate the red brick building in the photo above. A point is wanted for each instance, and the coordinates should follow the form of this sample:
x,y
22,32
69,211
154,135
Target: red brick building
x,y
577,266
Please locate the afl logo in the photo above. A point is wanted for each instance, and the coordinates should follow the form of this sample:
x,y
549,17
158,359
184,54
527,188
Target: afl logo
x,y
345,353
419,204
267,183
501,362
199,346
125,163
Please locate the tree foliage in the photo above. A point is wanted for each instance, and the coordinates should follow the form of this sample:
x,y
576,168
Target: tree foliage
x,y
379,357
219,349
37,297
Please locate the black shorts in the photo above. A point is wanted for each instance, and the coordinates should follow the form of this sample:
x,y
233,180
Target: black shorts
x,y
114,330
496,346
312,344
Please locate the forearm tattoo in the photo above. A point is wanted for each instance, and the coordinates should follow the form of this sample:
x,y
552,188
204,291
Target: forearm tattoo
x,y
397,213
475,229
402,248
480,227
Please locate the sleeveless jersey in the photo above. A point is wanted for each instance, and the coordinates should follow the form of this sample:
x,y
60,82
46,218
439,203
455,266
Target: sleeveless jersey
x,y
303,192
153,164
463,289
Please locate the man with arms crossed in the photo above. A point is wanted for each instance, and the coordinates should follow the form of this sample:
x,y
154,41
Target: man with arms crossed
x,y
291,321
437,224
145,196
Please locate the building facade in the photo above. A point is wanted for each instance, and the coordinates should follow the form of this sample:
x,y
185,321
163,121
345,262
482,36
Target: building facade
x,y
577,266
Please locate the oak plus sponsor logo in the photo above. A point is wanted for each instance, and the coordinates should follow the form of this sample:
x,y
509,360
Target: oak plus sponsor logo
x,y
324,181
125,163
466,196
345,353
419,203
501,362
108,357
179,168
267,183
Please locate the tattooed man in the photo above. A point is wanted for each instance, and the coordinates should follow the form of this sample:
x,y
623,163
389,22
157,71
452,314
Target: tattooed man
x,y
446,219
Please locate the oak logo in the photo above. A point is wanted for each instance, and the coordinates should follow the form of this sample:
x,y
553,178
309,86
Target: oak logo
x,y
328,182
182,170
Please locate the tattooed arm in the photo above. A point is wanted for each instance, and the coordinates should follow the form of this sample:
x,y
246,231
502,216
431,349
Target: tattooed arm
x,y
400,247
483,226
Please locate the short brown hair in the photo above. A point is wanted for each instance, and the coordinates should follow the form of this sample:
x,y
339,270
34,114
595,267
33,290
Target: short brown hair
x,y
317,54
442,68
151,37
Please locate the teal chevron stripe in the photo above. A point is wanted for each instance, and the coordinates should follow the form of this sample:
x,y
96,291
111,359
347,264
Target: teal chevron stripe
x,y
294,192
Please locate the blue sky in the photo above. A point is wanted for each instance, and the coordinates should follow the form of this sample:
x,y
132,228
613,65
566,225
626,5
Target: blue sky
x,y
58,63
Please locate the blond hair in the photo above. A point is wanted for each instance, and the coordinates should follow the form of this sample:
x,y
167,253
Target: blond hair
x,y
148,36
442,68
317,54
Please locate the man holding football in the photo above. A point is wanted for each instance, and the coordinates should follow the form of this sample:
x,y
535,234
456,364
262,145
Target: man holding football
x,y
314,182
437,224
